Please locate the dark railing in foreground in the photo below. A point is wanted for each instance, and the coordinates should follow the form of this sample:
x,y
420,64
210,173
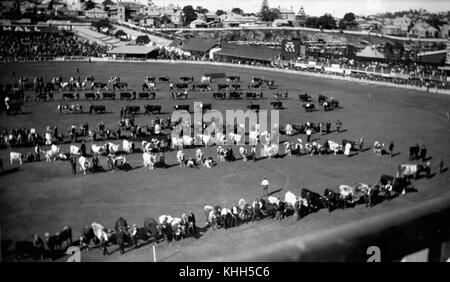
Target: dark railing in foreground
x,y
392,237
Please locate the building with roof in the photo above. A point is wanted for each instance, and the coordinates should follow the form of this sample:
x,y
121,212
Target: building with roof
x,y
370,53
138,51
432,57
193,46
393,30
236,20
96,13
198,23
423,29
281,22
246,54
287,14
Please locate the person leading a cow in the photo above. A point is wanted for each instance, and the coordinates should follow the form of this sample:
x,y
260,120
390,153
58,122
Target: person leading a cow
x,y
391,148
83,149
73,163
423,153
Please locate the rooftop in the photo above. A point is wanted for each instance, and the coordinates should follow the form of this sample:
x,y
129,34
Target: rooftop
x,y
133,50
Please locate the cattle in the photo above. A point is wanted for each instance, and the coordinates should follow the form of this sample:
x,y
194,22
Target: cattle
x,y
206,107
322,99
277,105
304,97
51,155
84,164
134,110
149,160
127,95
15,108
163,79
14,156
113,148
90,95
315,201
70,96
186,79
233,78
109,95
74,150
179,95
222,87
201,86
151,109
235,95
253,95
147,95
96,150
97,109
253,107
181,86
128,146
309,107
72,108
181,107
411,170
219,95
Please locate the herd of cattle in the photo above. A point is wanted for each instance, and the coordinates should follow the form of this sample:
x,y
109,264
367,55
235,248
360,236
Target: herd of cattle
x,y
168,227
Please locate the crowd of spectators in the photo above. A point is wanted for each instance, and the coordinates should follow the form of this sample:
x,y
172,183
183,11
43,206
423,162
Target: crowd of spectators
x,y
17,46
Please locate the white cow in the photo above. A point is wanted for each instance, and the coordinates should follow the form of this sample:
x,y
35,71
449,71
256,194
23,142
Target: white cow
x,y
165,218
271,150
146,146
84,164
13,156
180,157
290,198
243,153
235,137
273,200
220,138
149,160
207,139
48,139
253,137
128,146
55,148
177,142
335,147
74,150
113,148
96,150
289,129
188,141
50,155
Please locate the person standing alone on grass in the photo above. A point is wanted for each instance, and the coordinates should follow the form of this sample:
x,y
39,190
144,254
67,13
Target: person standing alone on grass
x,y
391,148
338,125
328,126
73,163
423,152
253,153
83,149
265,186
308,134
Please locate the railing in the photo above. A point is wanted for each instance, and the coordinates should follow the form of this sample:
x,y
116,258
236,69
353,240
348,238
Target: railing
x,y
418,233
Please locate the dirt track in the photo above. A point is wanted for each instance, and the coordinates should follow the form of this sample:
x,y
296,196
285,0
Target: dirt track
x,y
43,197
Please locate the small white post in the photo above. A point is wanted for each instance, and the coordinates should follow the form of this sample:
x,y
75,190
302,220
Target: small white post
x,y
154,253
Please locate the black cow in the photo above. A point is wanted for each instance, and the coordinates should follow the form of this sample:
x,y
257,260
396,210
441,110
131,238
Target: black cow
x,y
86,237
109,95
15,108
186,79
90,95
25,249
222,87
315,200
235,95
309,107
150,109
133,109
181,86
147,95
97,109
277,105
322,99
163,79
181,107
206,107
334,200
236,86
399,185
304,97
253,107
127,95
70,96
219,95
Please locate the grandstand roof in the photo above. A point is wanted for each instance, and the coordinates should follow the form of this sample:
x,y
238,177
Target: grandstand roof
x,y
370,52
133,50
249,52
194,44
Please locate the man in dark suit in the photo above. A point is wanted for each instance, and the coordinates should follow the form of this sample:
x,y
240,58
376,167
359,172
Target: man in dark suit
x,y
191,218
83,149
121,240
423,152
73,163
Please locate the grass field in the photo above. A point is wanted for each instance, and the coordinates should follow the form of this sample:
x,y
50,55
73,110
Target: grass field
x,y
43,197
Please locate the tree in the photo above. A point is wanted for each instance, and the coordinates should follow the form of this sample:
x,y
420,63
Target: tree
x,y
142,39
220,12
347,21
326,21
201,10
120,33
89,5
267,14
312,22
189,14
238,11
103,23
435,21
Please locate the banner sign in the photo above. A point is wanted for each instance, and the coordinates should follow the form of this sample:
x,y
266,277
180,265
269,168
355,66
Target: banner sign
x,y
29,29
290,49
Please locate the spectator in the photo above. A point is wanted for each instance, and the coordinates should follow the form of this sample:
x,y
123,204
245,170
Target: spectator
x,y
423,153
